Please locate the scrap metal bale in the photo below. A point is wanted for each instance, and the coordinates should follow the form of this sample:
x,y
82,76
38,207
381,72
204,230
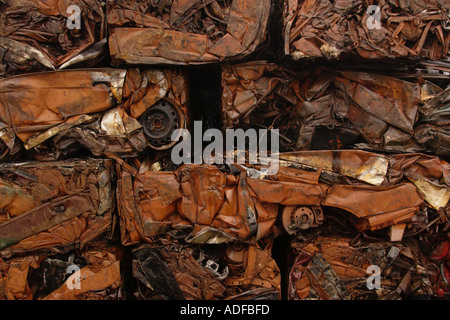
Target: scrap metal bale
x,y
185,32
114,111
325,109
55,206
200,272
50,35
196,203
359,29
94,274
338,267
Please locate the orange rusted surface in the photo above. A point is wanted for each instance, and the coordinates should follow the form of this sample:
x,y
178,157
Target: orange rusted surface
x,y
430,175
88,181
392,29
186,32
31,103
199,200
100,279
377,207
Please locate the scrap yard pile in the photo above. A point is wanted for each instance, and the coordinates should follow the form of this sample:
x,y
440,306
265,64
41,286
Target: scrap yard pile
x,y
98,100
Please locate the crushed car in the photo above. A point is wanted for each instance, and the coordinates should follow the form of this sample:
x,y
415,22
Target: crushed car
x,y
203,204
323,108
58,218
55,206
105,111
185,32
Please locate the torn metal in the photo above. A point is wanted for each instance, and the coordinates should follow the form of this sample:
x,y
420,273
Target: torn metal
x,y
185,32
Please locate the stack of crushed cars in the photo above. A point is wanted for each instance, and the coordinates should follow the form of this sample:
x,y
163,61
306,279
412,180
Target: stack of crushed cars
x,y
92,206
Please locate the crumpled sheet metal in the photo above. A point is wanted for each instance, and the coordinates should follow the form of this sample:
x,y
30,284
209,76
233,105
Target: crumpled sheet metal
x,y
201,204
337,268
185,32
336,29
31,103
55,206
369,204
378,109
329,109
239,271
374,207
45,277
98,108
34,35
199,201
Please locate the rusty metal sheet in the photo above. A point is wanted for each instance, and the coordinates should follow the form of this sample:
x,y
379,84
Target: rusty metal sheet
x,y
375,207
66,204
419,179
42,218
238,271
104,110
185,32
348,29
98,276
35,35
31,103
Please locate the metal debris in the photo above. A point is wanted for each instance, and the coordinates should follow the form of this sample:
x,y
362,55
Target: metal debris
x,y
93,205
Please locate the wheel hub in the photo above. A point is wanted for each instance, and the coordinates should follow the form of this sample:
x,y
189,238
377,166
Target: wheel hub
x,y
159,122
